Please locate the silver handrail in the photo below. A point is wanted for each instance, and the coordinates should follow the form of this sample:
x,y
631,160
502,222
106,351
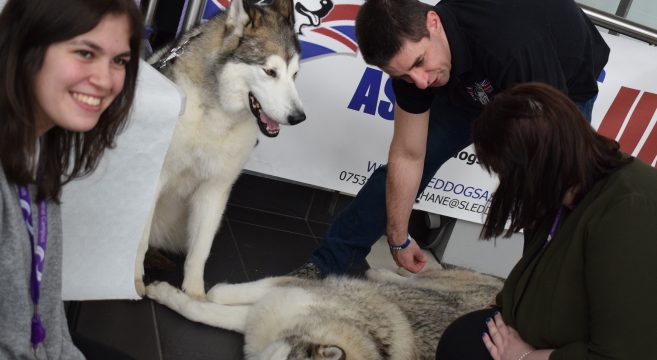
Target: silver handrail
x,y
150,13
623,26
192,14
620,25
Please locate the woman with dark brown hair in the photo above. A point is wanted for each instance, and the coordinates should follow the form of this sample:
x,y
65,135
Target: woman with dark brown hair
x,y
586,285
68,70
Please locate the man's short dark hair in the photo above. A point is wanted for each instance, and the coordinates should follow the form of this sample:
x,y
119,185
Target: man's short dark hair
x,y
383,25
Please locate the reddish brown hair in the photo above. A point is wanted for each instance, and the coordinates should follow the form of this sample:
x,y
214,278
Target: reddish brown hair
x,y
540,145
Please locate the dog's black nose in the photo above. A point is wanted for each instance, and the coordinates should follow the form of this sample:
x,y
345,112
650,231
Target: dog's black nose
x,y
296,118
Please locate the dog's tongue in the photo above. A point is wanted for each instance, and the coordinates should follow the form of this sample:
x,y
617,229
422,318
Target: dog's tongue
x,y
272,126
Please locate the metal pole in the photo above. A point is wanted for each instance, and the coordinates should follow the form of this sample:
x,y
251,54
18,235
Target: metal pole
x,y
191,14
150,13
623,8
147,50
199,16
620,25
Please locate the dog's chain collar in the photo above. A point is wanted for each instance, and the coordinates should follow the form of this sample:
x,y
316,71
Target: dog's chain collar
x,y
174,53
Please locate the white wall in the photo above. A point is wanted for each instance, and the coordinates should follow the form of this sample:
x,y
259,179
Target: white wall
x,y
608,6
644,12
495,257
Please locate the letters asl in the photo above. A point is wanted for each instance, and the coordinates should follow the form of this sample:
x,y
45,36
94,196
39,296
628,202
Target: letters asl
x,y
368,98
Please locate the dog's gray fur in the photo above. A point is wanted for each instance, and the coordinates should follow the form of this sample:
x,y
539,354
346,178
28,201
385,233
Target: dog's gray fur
x,y
237,71
385,317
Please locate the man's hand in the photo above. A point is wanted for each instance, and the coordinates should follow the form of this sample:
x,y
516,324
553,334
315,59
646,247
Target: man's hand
x,y
412,258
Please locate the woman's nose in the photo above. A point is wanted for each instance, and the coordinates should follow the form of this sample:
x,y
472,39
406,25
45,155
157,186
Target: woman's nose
x,y
101,75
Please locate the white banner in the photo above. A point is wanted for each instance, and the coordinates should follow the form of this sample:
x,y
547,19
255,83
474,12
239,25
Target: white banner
x,y
349,110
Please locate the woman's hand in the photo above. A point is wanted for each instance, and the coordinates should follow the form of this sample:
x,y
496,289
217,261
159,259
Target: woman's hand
x,y
503,342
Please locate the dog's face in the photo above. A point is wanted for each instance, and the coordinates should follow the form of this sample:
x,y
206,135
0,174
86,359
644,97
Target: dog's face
x,y
262,64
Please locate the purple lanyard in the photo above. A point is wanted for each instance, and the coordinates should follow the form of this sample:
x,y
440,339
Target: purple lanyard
x,y
555,226
38,259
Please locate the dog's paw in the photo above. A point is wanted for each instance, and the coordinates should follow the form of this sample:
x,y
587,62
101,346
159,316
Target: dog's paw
x,y
217,294
195,289
384,275
405,273
159,290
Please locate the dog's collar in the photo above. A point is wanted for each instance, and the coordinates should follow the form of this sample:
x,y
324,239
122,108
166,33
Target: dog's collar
x,y
174,53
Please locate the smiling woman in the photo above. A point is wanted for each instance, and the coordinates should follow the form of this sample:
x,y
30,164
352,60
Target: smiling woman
x,y
69,70
81,77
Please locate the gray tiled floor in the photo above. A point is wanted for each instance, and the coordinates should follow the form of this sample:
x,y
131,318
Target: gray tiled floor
x,y
270,228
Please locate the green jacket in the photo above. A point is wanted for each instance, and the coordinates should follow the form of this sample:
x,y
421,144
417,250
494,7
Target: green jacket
x,y
592,292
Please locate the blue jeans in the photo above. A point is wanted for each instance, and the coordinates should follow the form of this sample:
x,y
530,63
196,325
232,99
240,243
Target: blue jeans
x,y
363,221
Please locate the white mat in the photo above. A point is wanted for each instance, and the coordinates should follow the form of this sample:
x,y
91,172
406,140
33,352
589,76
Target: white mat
x,y
104,214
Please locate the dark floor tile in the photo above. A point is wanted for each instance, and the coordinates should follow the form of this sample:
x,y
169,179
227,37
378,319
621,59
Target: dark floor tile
x,y
268,252
268,219
125,325
319,229
171,273
223,265
182,339
326,205
263,234
225,261
271,195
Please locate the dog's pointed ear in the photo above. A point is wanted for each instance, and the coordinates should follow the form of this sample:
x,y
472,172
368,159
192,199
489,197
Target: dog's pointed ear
x,y
285,8
256,9
236,18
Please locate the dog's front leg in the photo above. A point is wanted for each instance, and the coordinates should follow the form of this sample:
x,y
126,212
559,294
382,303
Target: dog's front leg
x,y
142,248
248,292
206,209
227,317
139,261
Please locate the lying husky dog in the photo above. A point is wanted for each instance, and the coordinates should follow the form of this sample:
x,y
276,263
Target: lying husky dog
x,y
237,71
387,317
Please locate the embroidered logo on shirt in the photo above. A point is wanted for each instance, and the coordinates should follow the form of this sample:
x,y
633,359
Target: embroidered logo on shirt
x,y
480,91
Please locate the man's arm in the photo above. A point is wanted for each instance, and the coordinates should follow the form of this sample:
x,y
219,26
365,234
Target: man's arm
x,y
405,164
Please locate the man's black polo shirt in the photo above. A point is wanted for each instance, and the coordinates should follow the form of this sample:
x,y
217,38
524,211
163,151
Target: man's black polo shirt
x,y
498,43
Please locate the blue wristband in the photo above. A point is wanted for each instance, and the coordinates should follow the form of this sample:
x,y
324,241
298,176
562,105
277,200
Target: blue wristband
x,y
402,246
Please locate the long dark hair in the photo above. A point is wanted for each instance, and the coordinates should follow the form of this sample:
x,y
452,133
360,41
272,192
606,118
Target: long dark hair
x,y
27,29
540,145
383,25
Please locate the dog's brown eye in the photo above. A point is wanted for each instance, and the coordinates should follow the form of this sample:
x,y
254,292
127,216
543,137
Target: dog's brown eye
x,y
270,72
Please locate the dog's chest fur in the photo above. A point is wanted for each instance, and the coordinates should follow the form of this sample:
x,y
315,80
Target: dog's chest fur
x,y
209,143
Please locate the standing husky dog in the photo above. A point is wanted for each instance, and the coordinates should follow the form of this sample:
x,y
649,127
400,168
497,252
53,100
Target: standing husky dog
x,y
390,317
237,71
